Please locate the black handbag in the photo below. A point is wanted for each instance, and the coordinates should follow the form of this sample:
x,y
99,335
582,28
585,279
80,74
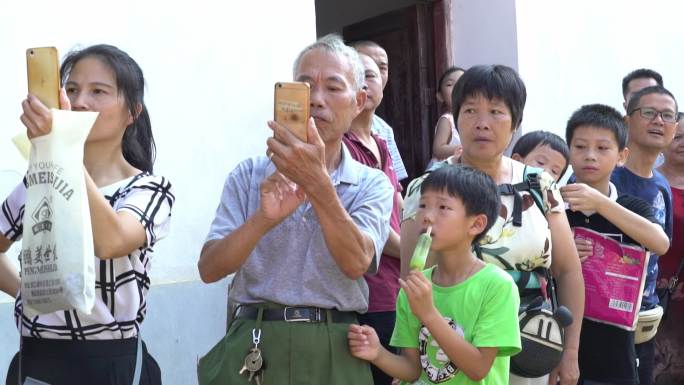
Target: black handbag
x,y
542,325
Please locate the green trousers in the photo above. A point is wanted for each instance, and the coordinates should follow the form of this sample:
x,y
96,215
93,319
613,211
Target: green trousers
x,y
294,353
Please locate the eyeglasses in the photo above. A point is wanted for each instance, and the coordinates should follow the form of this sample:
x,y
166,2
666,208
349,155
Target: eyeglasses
x,y
651,113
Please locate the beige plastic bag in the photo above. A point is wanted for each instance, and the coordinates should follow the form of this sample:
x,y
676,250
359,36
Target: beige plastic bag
x,y
57,263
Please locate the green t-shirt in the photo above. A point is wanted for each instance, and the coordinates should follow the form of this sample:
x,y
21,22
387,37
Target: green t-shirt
x,y
483,309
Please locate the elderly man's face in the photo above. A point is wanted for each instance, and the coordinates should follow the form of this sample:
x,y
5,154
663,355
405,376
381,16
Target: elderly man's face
x,y
334,102
380,57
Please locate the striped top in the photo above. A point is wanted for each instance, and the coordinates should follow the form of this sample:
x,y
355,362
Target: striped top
x,y
121,284
383,130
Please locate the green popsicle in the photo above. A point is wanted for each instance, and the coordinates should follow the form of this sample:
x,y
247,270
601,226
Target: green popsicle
x,y
421,251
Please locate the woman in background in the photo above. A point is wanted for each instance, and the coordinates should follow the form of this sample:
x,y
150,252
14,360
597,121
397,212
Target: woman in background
x,y
488,104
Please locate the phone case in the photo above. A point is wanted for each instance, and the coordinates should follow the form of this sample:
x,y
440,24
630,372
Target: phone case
x,y
291,107
42,68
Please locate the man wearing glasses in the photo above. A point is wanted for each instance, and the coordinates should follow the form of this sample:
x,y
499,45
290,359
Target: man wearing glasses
x,y
652,120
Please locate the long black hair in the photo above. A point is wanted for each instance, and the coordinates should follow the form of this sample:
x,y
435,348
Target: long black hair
x,y
137,145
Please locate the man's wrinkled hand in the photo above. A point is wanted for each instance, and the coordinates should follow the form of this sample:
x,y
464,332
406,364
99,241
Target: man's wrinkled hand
x,y
299,161
279,197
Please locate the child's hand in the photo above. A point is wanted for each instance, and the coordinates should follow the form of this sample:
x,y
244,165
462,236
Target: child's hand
x,y
581,197
419,293
584,248
363,342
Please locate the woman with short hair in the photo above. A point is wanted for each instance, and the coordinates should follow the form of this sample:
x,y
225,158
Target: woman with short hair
x,y
487,104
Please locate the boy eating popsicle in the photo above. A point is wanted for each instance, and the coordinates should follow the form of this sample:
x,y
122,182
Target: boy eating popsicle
x,y
457,322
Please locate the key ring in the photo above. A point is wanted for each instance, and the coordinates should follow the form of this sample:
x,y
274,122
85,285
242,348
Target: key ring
x,y
256,337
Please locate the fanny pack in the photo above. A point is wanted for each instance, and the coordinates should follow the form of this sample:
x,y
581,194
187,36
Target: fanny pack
x,y
647,324
649,320
542,322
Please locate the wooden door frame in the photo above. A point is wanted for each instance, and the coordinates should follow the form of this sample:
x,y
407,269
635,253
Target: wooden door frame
x,y
432,27
443,36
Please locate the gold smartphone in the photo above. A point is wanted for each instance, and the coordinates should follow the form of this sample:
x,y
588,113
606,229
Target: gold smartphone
x,y
42,68
291,107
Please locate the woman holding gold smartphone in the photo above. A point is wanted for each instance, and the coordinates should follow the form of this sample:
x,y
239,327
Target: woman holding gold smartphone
x,y
130,211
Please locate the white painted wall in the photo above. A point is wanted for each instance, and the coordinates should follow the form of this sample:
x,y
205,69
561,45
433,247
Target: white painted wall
x,y
577,52
484,32
210,72
210,69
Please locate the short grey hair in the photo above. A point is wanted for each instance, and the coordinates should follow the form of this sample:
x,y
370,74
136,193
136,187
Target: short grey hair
x,y
334,44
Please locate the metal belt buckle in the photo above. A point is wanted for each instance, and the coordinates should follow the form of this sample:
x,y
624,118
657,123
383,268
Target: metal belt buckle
x,y
298,314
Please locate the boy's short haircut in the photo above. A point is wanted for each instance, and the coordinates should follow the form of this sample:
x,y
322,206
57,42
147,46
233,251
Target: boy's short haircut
x,y
641,73
534,139
475,189
598,116
633,101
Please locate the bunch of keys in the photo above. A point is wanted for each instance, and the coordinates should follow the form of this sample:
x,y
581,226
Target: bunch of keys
x,y
254,362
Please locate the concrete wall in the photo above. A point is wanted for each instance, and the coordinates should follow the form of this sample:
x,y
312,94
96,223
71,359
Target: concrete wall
x,y
210,69
484,32
575,53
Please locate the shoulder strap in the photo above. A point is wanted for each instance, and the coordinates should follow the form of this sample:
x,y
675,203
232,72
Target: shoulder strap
x,y
531,177
506,189
138,361
672,284
681,266
530,183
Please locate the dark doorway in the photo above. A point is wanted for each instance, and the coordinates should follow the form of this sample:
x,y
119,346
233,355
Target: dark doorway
x,y
416,41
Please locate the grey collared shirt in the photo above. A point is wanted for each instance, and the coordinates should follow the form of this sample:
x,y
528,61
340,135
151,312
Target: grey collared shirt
x,y
291,264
